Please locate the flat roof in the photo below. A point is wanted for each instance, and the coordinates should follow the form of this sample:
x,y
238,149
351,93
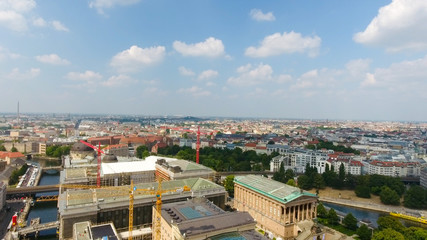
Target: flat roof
x,y
127,167
270,188
85,197
199,215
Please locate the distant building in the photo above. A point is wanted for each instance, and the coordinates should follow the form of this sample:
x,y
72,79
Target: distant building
x,y
172,168
121,150
350,166
198,218
278,208
297,160
9,157
395,169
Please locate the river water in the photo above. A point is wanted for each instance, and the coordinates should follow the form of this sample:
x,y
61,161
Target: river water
x,y
46,211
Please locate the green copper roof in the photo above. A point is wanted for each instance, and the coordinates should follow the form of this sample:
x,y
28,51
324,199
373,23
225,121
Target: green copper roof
x,y
270,188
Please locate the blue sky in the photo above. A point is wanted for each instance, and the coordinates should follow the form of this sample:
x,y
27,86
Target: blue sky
x,y
270,59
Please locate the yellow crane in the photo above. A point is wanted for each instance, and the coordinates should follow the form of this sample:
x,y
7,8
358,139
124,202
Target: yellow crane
x,y
132,190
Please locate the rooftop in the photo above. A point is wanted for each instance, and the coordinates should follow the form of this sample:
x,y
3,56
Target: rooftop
x,y
276,190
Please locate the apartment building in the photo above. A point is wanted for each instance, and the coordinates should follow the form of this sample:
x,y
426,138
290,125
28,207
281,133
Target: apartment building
x,y
297,160
395,169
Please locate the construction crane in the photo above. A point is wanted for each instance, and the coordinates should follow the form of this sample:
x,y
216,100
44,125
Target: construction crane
x,y
99,151
198,142
132,191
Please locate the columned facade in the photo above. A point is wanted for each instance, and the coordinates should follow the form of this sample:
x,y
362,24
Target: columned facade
x,y
272,213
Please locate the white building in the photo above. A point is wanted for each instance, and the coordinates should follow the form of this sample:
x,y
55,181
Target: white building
x,y
395,169
298,159
350,166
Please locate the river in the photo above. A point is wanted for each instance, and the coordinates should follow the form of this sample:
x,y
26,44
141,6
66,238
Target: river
x,y
372,216
46,211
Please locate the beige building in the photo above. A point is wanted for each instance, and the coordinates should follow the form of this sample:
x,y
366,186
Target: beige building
x,y
278,208
198,218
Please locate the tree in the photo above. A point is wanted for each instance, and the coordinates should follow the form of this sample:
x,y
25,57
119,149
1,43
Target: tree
x,y
363,191
364,232
415,233
140,150
388,234
2,148
333,217
304,182
14,149
350,222
390,222
289,174
280,175
341,177
270,142
321,211
291,182
318,182
389,196
229,185
415,197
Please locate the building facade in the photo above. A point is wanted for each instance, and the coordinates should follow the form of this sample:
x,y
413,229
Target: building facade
x,y
277,207
395,169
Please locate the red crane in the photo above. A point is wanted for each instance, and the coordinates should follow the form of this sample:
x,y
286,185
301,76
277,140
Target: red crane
x,y
99,151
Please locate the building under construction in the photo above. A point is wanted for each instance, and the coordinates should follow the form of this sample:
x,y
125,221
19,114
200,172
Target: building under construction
x,y
101,205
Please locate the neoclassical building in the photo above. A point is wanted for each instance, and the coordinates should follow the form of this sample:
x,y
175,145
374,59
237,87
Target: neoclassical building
x,y
277,207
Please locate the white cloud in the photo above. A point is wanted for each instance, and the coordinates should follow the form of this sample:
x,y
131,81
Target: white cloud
x,y
57,25
6,54
406,75
277,44
118,81
211,47
52,59
358,67
252,75
399,26
16,74
258,15
100,5
195,91
369,80
21,6
208,74
87,76
13,20
11,14
185,71
39,22
135,57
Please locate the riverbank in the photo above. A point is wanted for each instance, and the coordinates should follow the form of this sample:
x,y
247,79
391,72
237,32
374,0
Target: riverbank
x,y
348,198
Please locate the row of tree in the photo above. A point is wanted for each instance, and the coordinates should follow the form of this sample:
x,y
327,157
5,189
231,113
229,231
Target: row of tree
x,y
222,160
330,146
14,177
57,150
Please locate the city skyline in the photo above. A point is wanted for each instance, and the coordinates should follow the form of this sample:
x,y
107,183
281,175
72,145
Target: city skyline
x,y
287,59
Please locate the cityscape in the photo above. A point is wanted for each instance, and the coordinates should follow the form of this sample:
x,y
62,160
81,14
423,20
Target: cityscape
x,y
219,120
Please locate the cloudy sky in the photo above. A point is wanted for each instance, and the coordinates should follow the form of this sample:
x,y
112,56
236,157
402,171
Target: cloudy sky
x,y
274,59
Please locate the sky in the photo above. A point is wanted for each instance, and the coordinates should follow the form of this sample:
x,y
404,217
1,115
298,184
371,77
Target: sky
x,y
305,59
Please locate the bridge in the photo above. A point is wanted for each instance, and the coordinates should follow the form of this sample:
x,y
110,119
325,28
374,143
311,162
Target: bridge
x,y
57,168
37,228
32,190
